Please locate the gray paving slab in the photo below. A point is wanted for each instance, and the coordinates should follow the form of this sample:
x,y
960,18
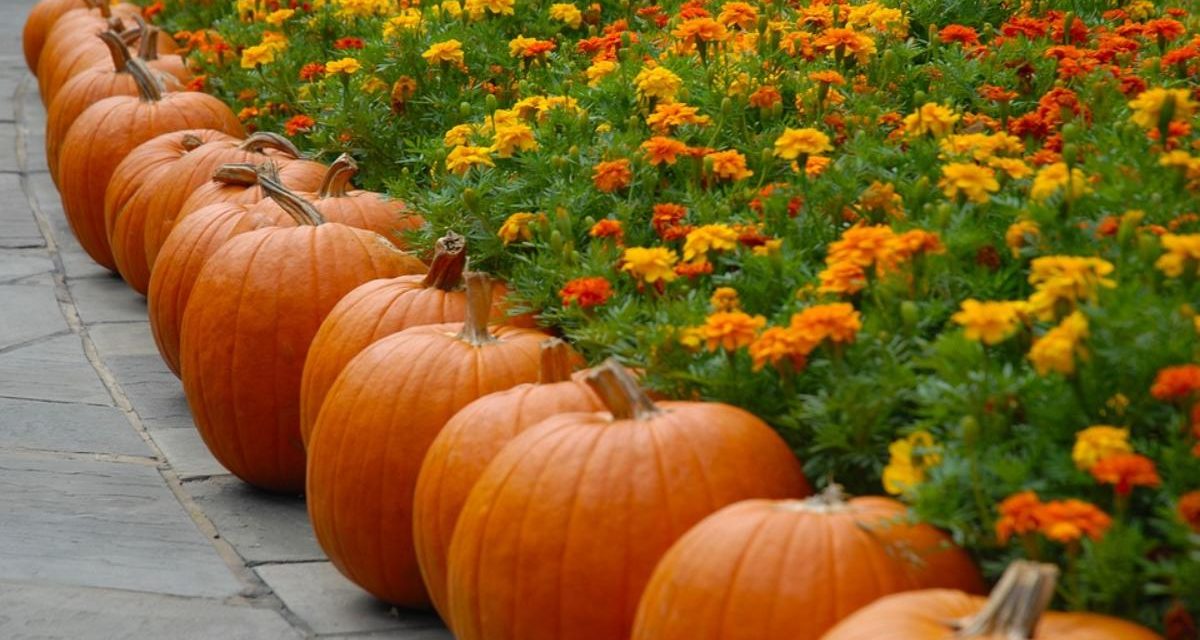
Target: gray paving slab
x,y
262,527
17,264
156,394
67,427
45,612
29,311
18,228
76,263
185,451
83,522
55,370
107,299
124,339
330,604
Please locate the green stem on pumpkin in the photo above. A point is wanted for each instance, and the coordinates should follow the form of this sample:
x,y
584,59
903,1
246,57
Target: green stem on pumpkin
x,y
620,392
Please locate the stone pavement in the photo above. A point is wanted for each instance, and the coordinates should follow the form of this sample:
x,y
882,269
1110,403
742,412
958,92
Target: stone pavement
x,y
115,522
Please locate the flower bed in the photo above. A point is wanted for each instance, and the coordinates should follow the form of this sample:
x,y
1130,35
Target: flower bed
x,y
950,251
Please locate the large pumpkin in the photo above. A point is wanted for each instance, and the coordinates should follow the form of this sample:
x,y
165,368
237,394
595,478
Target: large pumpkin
x,y
562,530
1015,609
381,308
89,87
38,24
472,438
378,420
106,132
71,47
790,570
254,309
150,49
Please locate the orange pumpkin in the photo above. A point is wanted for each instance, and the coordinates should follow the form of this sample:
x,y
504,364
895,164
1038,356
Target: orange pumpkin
x,y
71,47
241,354
378,420
106,132
472,438
150,49
767,569
42,19
381,308
88,88
1015,609
561,532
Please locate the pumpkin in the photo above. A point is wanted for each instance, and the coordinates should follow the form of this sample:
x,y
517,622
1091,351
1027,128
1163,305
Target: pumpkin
x,y
241,354
472,438
150,49
107,131
378,420
71,47
562,530
42,19
193,183
790,570
1015,609
88,88
381,308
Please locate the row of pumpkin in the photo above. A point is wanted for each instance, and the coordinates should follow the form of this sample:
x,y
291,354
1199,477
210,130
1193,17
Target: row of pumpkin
x,y
449,453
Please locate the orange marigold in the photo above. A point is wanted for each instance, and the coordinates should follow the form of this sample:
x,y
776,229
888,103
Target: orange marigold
x,y
607,229
1018,515
779,345
1177,384
663,150
1189,509
586,292
731,330
729,165
838,322
1125,471
299,123
1067,521
611,176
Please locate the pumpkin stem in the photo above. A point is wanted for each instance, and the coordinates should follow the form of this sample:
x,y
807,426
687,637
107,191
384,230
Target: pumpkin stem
x,y
1015,605
149,88
620,392
116,48
148,45
262,140
191,142
479,310
337,180
128,35
298,208
236,173
449,260
103,6
555,361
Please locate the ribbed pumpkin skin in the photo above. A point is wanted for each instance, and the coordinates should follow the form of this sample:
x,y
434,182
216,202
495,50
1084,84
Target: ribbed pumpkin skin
x,y
561,533
104,134
373,311
72,46
456,459
184,253
378,420
192,188
254,309
922,615
763,570
39,24
136,183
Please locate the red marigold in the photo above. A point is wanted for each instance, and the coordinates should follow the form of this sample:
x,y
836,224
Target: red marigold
x,y
299,123
312,71
1177,384
958,33
348,43
607,229
693,269
586,292
1125,471
1164,28
197,83
1189,509
667,215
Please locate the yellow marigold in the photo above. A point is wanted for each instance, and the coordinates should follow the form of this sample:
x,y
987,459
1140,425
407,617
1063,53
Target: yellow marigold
x,y
1182,255
882,197
843,278
1016,169
448,51
517,46
463,157
650,264
741,14
658,83
518,227
1057,349
1061,281
729,165
691,338
361,8
980,147
511,138
1148,107
838,322
258,54
778,345
1097,442
931,118
668,115
476,8
725,299
1021,234
348,66
567,14
909,459
990,322
458,135
701,29
793,143
1053,177
408,20
973,182
772,247
599,70
275,39
731,330
279,16
706,238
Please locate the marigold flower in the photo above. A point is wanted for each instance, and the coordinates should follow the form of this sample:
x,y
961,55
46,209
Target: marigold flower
x,y
1097,442
348,43
1182,255
1053,177
740,14
729,165
1067,521
1148,107
650,264
1188,509
838,40
476,8
702,29
778,345
973,182
665,219
882,197
1180,383
724,299
567,14
963,35
448,51
258,54
668,115
838,322
663,150
278,17
599,70
1061,281
312,71
1057,349
463,157
706,238
298,124
657,83
793,143
348,66
765,97
827,76
510,138
1018,516
518,227
586,293
607,229
1125,471
730,330
931,118
909,460
612,175
990,322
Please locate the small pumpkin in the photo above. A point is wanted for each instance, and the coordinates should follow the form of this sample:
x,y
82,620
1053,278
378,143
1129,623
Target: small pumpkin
x,y
1015,609
150,49
562,530
472,438
107,131
379,418
790,570
380,308
241,354
37,26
